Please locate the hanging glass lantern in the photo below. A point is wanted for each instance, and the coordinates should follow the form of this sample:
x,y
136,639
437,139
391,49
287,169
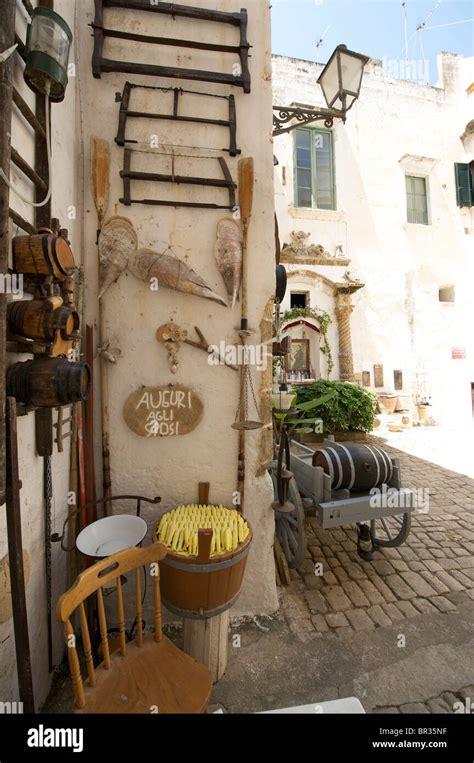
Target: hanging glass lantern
x,y
48,42
341,78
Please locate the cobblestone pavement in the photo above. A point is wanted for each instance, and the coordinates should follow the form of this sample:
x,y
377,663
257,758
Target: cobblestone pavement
x,y
432,571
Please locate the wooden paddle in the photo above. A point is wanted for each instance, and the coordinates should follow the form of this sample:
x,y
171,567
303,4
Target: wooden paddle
x,y
246,183
100,167
100,170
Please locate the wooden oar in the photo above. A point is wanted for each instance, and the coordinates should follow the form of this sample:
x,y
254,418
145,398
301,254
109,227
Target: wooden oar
x,y
100,166
246,183
100,169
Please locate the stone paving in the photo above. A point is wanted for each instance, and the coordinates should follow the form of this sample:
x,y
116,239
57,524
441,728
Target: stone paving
x,y
431,572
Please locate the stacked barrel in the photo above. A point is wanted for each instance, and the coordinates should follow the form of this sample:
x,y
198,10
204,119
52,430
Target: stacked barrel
x,y
52,378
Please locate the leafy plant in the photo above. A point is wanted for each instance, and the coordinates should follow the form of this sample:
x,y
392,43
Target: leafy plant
x,y
349,408
324,320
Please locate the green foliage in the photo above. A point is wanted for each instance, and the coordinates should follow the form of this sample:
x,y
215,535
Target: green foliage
x,y
324,320
349,408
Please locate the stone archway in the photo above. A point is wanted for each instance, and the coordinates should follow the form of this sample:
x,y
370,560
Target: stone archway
x,y
342,292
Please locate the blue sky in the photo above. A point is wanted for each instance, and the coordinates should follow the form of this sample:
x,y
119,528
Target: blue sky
x,y
374,27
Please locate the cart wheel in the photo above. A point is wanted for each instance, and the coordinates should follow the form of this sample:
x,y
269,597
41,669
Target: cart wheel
x,y
390,532
290,529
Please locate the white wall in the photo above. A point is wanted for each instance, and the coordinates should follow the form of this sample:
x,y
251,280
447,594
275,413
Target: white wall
x,y
398,320
172,467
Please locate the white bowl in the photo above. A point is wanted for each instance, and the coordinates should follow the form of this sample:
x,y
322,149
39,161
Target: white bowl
x,y
109,535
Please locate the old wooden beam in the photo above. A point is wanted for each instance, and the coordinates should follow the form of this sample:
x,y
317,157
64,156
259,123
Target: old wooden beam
x,y
173,42
172,9
15,554
30,173
7,39
22,223
25,110
170,72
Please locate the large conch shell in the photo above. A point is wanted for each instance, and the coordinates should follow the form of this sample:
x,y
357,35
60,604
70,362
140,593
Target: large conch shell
x,y
171,273
117,241
228,255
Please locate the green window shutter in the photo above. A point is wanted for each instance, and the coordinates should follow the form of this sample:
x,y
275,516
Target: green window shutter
x,y
315,185
464,185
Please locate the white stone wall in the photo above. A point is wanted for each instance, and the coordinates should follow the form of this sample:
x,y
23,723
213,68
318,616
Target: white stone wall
x,y
172,467
398,320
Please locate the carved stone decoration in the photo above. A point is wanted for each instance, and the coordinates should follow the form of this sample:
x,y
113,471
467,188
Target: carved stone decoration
x,y
299,247
344,308
163,411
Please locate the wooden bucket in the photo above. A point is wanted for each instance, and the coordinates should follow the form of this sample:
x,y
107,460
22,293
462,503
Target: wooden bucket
x,y
48,382
41,319
200,587
354,467
43,254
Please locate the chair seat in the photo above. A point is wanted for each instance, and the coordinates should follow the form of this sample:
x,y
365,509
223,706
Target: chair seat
x,y
156,677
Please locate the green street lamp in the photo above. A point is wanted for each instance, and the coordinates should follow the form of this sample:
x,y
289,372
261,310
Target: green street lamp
x,y
48,42
340,81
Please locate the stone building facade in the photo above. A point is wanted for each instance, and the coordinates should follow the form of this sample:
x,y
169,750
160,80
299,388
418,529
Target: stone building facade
x,y
374,234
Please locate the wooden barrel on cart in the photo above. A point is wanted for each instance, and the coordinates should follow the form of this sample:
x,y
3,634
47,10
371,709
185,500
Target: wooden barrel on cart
x,y
43,254
202,587
354,467
41,319
48,382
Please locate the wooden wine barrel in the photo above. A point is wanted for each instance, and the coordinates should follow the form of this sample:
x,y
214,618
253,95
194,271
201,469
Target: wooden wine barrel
x,y
199,590
43,254
40,320
354,467
48,382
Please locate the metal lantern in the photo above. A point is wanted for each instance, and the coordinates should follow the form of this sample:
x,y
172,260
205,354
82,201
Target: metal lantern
x,y
341,78
48,43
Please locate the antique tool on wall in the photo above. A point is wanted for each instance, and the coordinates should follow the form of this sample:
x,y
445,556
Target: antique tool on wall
x,y
171,272
48,382
117,241
228,255
127,174
178,93
46,321
44,448
242,422
100,163
43,254
204,345
239,20
15,553
171,335
100,169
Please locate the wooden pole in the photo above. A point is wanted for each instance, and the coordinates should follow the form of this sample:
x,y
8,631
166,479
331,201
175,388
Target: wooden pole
x,y
15,554
7,39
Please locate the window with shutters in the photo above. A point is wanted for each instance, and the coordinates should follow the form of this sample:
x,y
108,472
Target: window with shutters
x,y
464,174
417,200
314,169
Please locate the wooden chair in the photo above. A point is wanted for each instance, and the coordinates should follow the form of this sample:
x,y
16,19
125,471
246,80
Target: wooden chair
x,y
147,675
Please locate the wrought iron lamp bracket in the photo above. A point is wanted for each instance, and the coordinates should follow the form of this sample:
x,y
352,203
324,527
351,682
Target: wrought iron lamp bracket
x,y
283,114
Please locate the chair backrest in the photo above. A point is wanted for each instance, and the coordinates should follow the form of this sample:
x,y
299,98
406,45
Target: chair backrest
x,y
92,581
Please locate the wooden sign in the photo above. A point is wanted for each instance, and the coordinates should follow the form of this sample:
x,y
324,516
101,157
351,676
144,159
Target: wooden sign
x,y
163,411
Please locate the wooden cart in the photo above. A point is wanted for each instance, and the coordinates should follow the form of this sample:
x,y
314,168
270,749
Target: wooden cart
x,y
300,487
